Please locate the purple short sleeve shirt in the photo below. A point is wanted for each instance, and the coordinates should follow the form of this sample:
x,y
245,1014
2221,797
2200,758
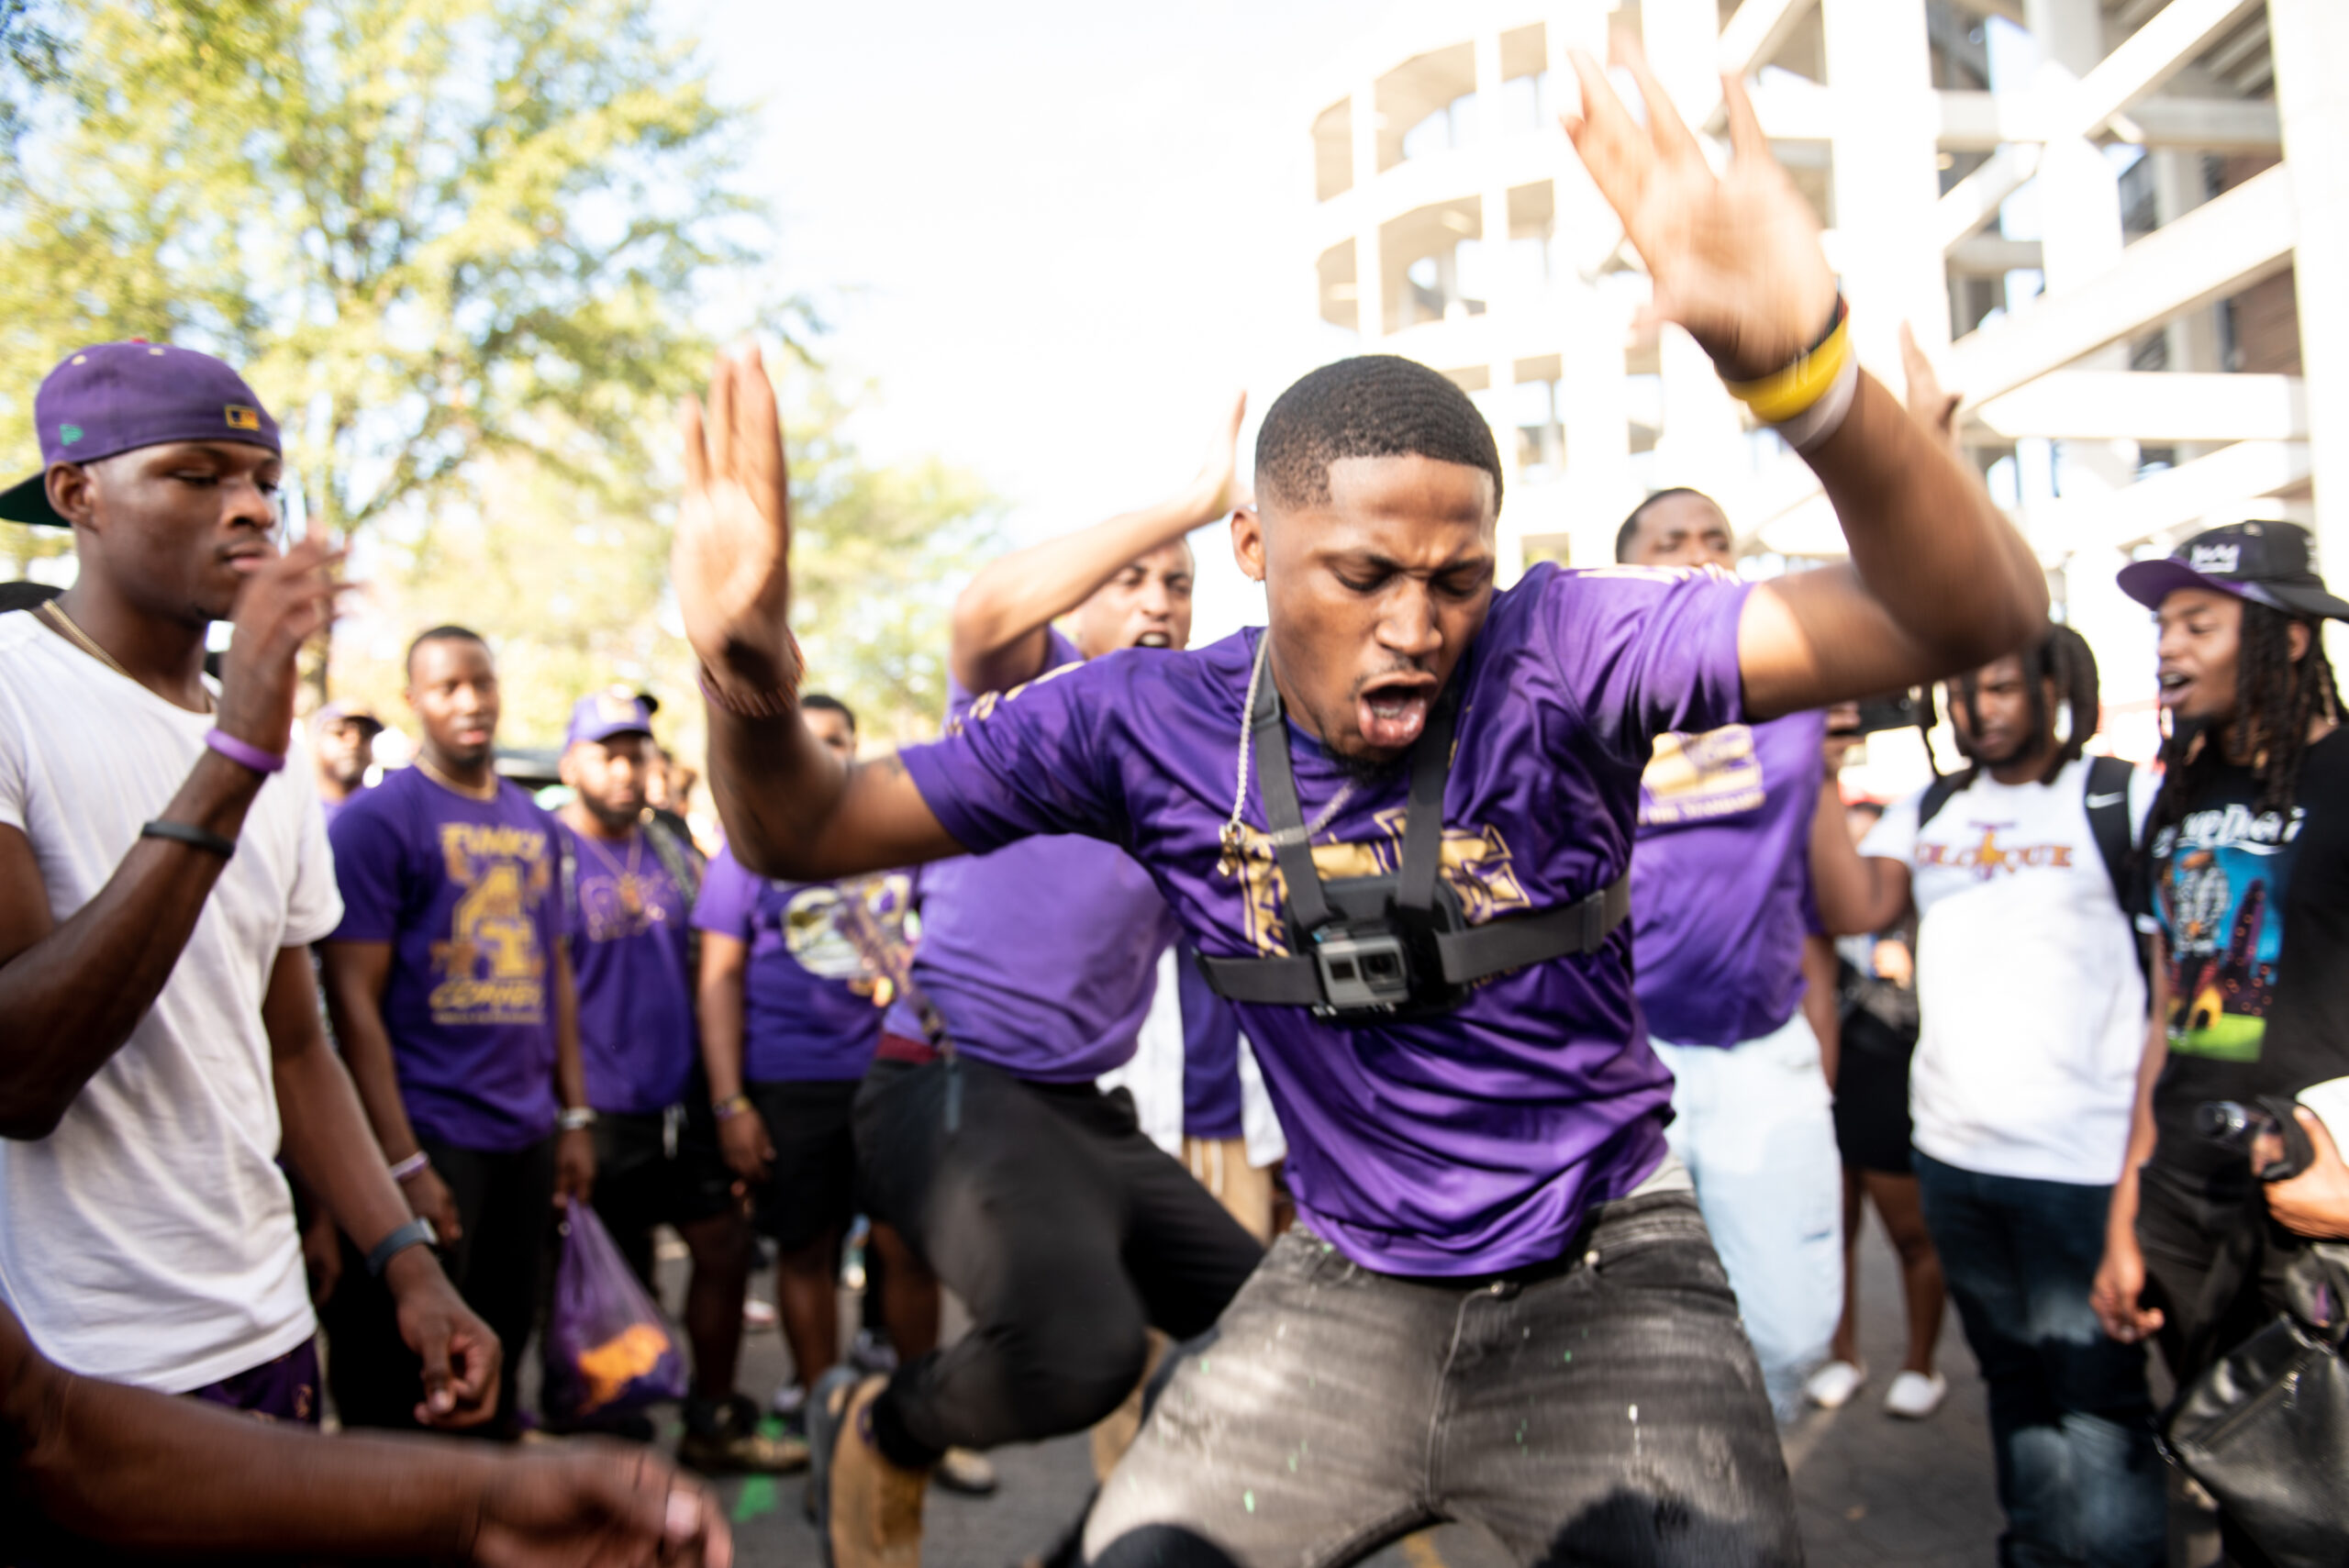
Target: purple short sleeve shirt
x,y
464,891
1460,1145
629,946
1042,957
1212,1106
1721,879
808,1008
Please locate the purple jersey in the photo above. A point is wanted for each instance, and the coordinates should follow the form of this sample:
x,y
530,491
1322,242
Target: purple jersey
x,y
625,918
1720,882
808,1013
1041,957
464,891
1459,1145
1210,1058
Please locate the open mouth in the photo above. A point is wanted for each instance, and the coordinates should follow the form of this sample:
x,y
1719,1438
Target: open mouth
x,y
1153,640
2175,684
1391,712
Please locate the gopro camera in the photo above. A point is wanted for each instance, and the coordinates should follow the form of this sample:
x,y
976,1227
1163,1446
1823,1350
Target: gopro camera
x,y
2235,1125
1361,970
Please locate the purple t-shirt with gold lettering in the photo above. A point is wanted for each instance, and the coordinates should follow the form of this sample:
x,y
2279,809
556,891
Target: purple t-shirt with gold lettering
x,y
1458,1145
1041,957
1721,878
629,946
464,891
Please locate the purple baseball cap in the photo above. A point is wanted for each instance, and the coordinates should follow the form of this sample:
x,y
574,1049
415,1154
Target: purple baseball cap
x,y
117,397
605,715
2268,563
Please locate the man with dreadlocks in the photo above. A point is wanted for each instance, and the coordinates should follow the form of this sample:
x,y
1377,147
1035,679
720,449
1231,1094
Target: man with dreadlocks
x,y
2020,866
2250,884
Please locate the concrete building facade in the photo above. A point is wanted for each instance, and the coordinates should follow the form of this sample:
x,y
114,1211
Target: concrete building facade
x,y
2092,213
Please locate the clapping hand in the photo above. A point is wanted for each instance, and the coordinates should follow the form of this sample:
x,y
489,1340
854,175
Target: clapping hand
x,y
1735,256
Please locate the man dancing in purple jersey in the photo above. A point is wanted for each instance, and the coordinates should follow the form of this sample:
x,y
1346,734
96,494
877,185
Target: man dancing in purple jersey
x,y
1480,1314
1001,1165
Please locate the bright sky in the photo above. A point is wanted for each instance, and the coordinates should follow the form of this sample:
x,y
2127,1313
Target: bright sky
x,y
1054,234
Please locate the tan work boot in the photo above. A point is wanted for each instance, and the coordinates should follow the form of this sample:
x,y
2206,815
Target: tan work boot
x,y
869,1510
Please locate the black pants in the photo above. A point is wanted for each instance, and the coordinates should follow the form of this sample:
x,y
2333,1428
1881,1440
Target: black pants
x,y
506,1202
1065,1231
1604,1409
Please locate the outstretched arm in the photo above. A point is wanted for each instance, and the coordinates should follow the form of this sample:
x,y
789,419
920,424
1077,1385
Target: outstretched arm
x,y
149,1472
1939,580
999,619
789,810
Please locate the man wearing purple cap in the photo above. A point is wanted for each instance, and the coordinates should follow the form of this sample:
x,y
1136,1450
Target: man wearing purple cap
x,y
342,736
450,992
160,884
629,885
2249,847
1398,819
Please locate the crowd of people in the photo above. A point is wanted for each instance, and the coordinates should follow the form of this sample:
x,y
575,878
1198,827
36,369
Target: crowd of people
x,y
1463,1022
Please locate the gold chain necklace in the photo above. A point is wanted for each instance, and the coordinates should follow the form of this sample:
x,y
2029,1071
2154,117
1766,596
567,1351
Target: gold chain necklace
x,y
471,792
54,614
628,883
56,617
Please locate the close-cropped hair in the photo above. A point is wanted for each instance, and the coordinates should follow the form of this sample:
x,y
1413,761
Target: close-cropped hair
x,y
1630,527
831,705
441,634
1370,405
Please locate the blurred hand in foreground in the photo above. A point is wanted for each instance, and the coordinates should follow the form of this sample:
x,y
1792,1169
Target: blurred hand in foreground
x,y
732,557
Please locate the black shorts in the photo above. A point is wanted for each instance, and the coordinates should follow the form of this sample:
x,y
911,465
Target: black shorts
x,y
640,1183
1872,1125
812,1183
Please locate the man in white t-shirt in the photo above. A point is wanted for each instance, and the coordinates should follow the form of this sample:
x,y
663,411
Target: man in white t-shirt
x,y
162,870
2032,1018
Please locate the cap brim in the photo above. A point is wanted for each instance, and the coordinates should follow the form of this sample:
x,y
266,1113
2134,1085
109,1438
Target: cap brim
x,y
2309,601
27,501
2151,582
588,736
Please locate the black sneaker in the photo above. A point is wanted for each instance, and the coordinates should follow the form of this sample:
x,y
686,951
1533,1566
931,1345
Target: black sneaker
x,y
725,1439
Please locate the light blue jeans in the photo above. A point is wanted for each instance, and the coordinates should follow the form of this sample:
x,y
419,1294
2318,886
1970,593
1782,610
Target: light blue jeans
x,y
1753,1124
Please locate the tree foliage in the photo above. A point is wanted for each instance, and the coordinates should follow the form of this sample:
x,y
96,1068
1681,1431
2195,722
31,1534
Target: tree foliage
x,y
432,232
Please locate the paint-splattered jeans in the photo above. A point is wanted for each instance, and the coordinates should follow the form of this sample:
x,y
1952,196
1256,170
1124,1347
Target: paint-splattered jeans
x,y
1603,1408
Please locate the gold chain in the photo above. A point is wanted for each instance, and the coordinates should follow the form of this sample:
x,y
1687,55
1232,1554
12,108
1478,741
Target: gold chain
x,y
56,617
471,792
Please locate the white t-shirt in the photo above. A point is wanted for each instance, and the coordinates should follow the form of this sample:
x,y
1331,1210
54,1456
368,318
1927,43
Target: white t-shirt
x,y
2031,1009
150,1239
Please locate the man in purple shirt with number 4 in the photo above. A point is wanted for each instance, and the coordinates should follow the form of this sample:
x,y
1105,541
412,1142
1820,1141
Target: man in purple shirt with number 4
x,y
1480,1314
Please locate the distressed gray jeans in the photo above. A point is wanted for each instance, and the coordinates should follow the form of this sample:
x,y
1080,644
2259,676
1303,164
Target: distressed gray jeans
x,y
1604,1408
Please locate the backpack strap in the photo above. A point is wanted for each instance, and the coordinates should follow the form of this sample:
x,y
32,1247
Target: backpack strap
x,y
2107,798
566,875
683,864
1938,794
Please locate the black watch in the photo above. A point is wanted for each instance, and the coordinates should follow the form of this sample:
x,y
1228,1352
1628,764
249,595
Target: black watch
x,y
417,1232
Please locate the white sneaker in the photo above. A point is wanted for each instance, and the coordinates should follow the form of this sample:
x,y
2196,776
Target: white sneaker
x,y
757,1314
1833,1386
1915,1395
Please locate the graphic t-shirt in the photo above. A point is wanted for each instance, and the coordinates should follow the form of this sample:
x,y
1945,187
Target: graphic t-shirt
x,y
2254,906
1457,1145
629,940
465,891
1211,1056
1041,957
810,1009
1719,877
2031,1009
149,1239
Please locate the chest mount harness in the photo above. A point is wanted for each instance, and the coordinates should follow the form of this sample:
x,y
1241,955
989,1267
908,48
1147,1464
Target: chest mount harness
x,y
1393,947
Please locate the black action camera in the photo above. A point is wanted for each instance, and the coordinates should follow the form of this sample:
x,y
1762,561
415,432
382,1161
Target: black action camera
x,y
2234,1126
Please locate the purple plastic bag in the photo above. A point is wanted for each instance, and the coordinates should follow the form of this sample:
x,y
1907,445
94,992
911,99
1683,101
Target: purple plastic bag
x,y
609,1348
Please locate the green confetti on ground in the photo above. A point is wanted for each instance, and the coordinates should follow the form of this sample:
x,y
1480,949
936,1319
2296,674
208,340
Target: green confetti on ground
x,y
1249,1498
1570,1355
758,1498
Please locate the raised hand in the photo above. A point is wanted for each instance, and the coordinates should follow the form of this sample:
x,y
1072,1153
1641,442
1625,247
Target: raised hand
x,y
731,558
1217,485
1734,257
283,602
593,1507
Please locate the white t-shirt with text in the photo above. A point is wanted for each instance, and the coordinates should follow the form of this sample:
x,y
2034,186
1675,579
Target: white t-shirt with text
x,y
2031,1006
150,1240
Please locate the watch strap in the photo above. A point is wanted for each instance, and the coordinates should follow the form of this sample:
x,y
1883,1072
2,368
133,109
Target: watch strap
x,y
417,1232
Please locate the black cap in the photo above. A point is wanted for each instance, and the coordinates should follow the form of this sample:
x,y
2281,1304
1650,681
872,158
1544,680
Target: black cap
x,y
2268,563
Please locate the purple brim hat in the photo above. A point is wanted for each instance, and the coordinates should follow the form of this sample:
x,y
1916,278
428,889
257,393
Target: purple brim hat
x,y
117,397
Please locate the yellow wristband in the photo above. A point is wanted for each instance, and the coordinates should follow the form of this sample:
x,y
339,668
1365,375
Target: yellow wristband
x,y
1785,394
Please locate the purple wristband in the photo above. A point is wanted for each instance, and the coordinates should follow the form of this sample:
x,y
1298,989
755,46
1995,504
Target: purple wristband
x,y
244,752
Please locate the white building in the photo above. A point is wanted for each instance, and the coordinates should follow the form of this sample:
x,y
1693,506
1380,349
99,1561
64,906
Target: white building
x,y
2091,211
